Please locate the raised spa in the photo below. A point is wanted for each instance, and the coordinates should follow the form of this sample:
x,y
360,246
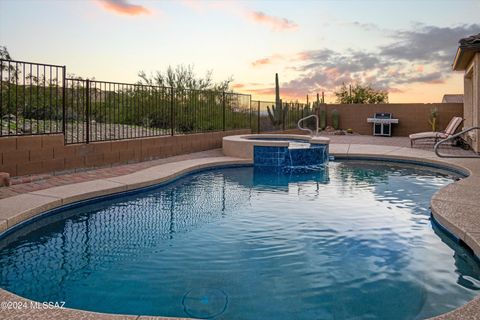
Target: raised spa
x,y
349,240
278,150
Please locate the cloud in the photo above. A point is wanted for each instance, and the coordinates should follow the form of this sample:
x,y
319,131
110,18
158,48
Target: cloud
x,y
261,62
422,55
123,7
428,43
366,26
275,23
268,60
237,9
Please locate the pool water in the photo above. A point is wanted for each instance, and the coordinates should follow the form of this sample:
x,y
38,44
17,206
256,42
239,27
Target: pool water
x,y
351,240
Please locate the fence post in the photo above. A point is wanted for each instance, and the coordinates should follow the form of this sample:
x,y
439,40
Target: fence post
x,y
64,106
223,105
250,110
172,113
258,117
87,111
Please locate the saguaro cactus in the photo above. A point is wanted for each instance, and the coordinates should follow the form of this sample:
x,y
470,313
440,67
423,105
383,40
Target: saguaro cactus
x,y
433,119
278,112
335,119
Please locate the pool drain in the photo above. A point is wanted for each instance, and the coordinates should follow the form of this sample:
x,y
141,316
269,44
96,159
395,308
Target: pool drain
x,y
205,303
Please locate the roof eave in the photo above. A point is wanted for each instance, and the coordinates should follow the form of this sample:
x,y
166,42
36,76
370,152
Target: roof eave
x,y
457,59
462,59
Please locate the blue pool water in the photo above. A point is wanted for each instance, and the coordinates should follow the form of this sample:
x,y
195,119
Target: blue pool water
x,y
351,240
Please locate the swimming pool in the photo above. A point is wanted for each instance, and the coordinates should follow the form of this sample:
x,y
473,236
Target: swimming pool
x,y
351,240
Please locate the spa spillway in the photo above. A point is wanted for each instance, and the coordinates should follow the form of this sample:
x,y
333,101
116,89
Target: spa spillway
x,y
278,150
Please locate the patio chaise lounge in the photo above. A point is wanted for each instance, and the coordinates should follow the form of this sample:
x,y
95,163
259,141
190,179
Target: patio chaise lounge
x,y
449,131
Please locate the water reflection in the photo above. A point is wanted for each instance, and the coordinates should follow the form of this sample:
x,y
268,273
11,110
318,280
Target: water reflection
x,y
332,240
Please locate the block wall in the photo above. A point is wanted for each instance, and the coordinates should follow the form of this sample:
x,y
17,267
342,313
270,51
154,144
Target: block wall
x,y
24,155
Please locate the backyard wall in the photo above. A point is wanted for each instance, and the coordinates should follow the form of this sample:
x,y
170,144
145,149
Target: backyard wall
x,y
413,117
25,155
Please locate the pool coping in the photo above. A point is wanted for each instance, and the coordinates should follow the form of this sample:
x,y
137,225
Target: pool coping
x,y
454,206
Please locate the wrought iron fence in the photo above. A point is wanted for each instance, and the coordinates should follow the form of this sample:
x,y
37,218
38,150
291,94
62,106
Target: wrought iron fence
x,y
38,99
102,111
292,112
31,98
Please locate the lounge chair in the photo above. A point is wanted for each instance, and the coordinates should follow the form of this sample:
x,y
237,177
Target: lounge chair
x,y
449,131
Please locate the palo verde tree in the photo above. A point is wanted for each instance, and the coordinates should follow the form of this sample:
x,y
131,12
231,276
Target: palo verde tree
x,y
198,101
184,77
360,94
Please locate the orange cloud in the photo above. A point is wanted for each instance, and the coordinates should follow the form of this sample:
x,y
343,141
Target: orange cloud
x,y
420,68
238,85
262,91
302,56
123,7
237,9
395,90
332,72
287,94
268,60
274,22
261,62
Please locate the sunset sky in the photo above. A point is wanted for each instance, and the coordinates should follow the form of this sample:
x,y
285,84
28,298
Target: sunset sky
x,y
405,46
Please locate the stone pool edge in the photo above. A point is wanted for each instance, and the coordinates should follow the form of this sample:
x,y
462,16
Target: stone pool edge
x,y
455,207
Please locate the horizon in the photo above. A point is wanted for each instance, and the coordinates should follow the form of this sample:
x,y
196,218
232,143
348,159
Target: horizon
x,y
329,43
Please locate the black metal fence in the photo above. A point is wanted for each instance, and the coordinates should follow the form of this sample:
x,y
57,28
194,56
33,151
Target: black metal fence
x,y
31,98
38,99
102,111
292,112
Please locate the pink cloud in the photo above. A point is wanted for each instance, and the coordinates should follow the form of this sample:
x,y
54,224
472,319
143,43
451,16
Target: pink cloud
x,y
123,7
395,90
275,23
420,68
237,9
332,72
302,56
261,62
262,91
288,94
238,85
268,60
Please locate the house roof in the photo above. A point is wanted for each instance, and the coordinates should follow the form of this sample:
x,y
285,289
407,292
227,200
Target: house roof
x,y
452,98
465,52
470,42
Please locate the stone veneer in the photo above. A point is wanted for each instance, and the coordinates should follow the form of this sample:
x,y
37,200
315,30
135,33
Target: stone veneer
x,y
24,155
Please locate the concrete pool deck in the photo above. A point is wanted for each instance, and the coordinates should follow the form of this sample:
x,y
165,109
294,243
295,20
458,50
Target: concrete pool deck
x,y
455,206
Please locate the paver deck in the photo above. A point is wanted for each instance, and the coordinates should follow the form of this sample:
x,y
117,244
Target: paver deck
x,y
32,183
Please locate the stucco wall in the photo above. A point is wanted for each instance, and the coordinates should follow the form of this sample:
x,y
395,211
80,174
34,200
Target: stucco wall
x,y
25,155
413,117
471,108
476,101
